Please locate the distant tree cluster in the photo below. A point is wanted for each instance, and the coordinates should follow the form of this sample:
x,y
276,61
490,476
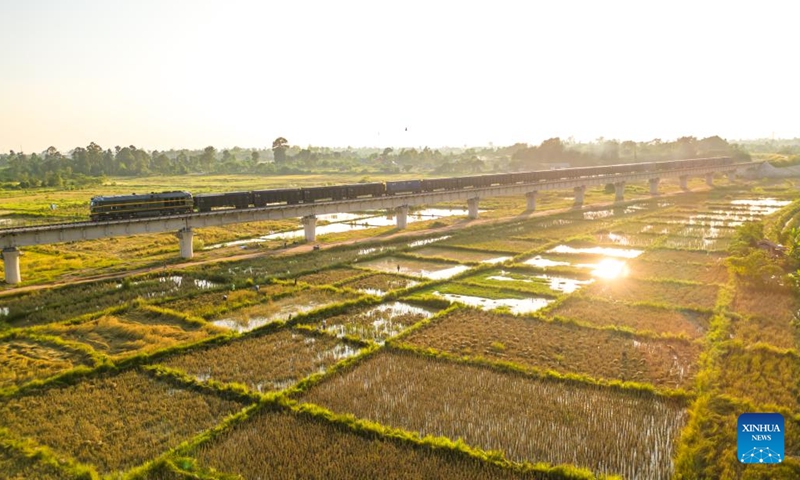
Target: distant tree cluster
x,y
604,152
91,164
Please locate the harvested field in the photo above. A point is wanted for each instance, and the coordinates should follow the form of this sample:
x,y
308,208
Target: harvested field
x,y
430,269
330,277
379,284
460,255
212,304
291,446
500,245
662,293
690,272
564,348
681,257
119,336
376,323
509,412
25,360
283,308
640,318
116,421
529,280
265,362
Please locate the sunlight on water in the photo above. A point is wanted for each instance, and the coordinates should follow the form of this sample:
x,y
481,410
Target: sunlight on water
x,y
557,284
515,305
609,269
606,251
538,261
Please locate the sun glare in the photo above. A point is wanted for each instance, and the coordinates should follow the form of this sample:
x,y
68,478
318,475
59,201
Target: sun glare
x,y
610,269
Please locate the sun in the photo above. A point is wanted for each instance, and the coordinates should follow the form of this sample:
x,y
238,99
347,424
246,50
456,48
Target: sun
x,y
610,269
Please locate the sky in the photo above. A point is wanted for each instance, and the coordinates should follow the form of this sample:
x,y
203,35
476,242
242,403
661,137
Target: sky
x,y
163,74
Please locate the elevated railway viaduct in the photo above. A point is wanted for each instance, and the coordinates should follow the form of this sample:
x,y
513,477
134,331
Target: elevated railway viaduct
x,y
12,239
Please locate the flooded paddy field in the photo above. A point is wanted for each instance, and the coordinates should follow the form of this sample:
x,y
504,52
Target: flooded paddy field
x,y
530,280
263,363
490,409
375,323
596,321
280,309
428,269
379,284
460,255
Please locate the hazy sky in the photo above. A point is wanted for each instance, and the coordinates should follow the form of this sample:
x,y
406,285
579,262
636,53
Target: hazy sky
x,y
187,74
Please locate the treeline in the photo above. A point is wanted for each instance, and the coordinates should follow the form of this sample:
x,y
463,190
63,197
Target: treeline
x,y
604,152
93,163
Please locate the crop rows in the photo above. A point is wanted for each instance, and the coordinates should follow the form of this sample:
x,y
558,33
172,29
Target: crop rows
x,y
264,362
660,293
639,318
529,419
379,283
562,347
689,272
290,445
376,323
114,421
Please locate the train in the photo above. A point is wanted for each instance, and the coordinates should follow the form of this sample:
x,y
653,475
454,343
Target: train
x,y
120,207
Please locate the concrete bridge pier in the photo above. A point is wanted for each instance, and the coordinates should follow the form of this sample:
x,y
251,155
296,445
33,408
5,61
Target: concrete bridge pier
x,y
472,204
710,179
684,179
185,235
531,199
619,191
310,227
579,191
401,215
731,176
11,264
654,186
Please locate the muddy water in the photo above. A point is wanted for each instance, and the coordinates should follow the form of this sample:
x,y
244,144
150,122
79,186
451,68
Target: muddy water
x,y
555,283
418,268
515,305
378,323
460,255
346,222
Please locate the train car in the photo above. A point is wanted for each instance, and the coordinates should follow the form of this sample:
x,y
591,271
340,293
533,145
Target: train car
x,y
403,186
205,202
289,196
330,193
358,190
434,184
118,207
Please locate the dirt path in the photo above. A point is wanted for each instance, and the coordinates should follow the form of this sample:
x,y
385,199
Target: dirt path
x,y
465,223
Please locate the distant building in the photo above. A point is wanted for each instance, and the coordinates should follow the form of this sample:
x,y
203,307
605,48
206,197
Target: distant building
x,y
773,248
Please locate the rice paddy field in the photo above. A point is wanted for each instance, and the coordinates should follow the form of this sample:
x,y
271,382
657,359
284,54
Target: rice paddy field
x,y
609,341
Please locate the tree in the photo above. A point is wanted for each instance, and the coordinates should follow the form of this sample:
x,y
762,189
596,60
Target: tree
x,y
207,158
279,147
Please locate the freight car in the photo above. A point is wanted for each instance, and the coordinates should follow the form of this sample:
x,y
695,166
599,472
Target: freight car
x,y
171,203
133,206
